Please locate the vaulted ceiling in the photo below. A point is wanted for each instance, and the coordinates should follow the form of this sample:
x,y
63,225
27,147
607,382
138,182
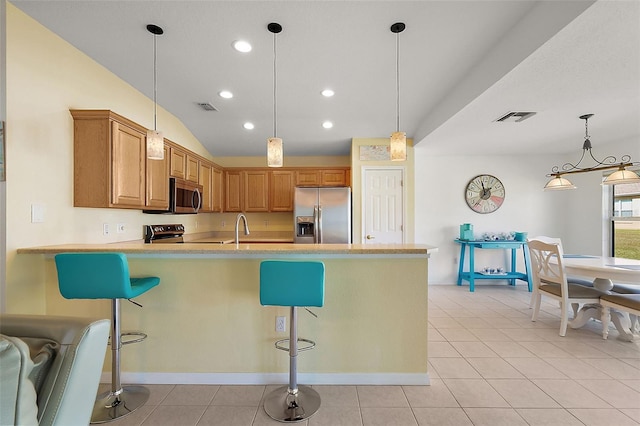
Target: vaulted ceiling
x,y
462,64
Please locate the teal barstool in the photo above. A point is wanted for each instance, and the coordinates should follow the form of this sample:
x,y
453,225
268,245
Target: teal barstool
x,y
106,276
293,284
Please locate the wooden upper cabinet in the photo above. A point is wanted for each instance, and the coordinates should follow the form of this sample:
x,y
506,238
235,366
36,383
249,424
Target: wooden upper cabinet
x,y
128,159
205,176
307,178
158,182
233,200
256,191
193,168
217,190
178,163
323,177
281,191
336,177
109,160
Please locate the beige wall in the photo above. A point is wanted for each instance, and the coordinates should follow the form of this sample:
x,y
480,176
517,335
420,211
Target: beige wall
x,y
356,182
194,316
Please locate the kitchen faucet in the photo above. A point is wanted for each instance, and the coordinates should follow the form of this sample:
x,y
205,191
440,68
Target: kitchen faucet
x,y
246,225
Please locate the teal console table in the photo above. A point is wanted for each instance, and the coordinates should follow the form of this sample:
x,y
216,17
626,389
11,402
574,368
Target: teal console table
x,y
512,275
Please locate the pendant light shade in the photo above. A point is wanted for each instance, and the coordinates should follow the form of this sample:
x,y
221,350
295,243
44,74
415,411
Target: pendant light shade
x,y
622,176
275,149
155,145
559,183
274,152
155,140
398,141
398,146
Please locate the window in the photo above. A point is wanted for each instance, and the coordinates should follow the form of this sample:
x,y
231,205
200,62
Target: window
x,y
626,221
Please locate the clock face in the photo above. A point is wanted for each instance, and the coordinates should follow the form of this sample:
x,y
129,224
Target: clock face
x,y
484,194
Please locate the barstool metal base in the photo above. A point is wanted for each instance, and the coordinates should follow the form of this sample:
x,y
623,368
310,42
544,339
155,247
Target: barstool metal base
x,y
286,407
109,407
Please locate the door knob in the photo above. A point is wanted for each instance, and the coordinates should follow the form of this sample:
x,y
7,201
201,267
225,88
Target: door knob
x,y
369,237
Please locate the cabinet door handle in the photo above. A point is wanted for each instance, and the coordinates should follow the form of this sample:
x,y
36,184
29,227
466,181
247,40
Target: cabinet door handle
x,y
369,237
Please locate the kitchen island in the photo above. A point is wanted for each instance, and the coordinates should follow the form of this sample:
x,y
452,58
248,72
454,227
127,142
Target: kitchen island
x,y
206,325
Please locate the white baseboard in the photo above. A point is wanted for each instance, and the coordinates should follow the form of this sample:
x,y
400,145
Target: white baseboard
x,y
272,378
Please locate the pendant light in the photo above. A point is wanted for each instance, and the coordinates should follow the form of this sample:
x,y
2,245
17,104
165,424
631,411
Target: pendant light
x,y
155,141
622,175
275,152
398,142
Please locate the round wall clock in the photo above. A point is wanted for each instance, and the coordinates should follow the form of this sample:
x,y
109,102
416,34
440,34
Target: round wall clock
x,y
484,194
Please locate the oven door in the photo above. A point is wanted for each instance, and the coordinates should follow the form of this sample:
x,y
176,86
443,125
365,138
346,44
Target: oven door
x,y
187,197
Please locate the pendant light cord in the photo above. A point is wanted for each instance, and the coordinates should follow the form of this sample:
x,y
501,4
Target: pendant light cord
x,y
155,85
397,82
275,86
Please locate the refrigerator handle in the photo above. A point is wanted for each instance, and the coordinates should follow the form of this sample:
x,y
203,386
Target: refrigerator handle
x,y
316,230
320,223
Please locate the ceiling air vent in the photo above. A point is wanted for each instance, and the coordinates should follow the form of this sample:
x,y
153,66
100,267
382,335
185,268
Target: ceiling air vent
x,y
207,106
515,117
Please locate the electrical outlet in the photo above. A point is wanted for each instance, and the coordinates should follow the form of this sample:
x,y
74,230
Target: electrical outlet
x,y
281,324
266,223
196,224
455,260
222,224
105,229
120,228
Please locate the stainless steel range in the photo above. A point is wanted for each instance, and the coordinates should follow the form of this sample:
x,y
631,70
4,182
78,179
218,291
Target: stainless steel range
x,y
171,233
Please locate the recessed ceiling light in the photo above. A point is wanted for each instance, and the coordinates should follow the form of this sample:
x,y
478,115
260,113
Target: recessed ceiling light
x,y
327,93
225,94
327,124
248,126
242,46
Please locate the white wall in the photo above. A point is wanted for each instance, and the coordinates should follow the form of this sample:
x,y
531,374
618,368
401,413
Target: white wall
x,y
575,216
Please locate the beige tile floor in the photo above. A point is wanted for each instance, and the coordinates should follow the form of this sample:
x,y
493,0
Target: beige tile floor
x,y
488,363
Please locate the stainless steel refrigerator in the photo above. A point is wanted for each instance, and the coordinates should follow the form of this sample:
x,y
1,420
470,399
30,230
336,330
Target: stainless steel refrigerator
x,y
322,215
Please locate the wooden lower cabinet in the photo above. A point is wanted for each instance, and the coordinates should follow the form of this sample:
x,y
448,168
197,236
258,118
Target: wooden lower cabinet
x,y
281,191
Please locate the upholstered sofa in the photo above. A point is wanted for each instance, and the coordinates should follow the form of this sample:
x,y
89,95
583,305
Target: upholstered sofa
x,y
50,368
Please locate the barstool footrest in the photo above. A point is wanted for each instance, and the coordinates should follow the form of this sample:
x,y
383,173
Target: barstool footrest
x,y
142,337
311,345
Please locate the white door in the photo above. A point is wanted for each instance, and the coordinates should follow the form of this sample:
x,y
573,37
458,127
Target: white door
x,y
383,209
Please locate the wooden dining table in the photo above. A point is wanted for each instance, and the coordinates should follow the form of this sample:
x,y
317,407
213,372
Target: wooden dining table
x,y
604,271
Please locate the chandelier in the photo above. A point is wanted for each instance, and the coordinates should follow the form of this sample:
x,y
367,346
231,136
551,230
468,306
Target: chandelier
x,y
622,175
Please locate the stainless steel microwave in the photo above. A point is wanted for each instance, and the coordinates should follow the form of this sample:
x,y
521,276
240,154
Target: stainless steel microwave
x,y
184,198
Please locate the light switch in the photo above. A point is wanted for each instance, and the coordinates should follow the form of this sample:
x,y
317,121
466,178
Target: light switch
x,y
37,213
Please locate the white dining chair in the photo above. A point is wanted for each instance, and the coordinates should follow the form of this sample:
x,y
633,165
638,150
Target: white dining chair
x,y
570,279
550,280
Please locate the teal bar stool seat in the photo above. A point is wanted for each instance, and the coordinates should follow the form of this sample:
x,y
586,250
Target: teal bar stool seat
x,y
106,276
293,284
